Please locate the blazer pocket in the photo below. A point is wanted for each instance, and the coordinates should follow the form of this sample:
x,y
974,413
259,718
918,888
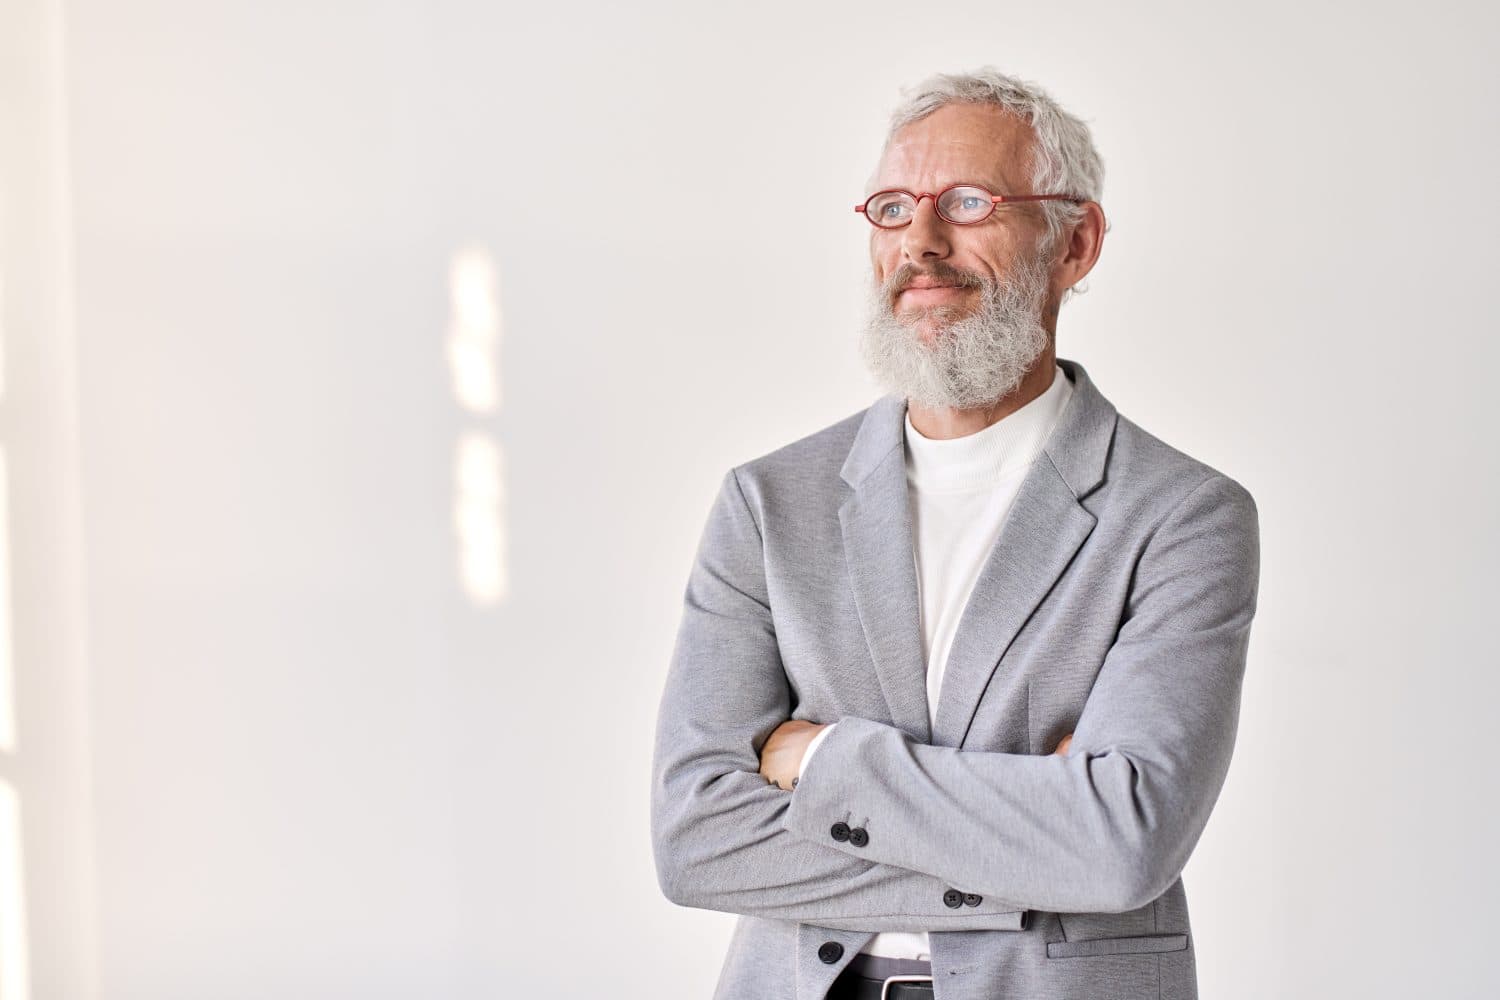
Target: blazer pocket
x,y
1142,945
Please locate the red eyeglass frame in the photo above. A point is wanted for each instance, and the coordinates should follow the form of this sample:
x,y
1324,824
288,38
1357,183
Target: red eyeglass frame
x,y
995,199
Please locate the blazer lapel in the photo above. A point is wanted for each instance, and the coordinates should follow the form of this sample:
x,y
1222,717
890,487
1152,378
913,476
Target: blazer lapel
x,y
876,522
1044,528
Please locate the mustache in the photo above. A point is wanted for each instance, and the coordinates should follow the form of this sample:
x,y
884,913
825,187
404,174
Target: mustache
x,y
902,278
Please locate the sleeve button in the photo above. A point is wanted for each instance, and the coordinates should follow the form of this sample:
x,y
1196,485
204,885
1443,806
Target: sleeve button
x,y
839,831
953,899
972,899
858,837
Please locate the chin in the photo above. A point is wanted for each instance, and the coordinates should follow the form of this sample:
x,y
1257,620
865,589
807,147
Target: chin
x,y
929,324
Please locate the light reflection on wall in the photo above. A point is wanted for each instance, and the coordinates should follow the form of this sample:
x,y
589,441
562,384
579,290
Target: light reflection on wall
x,y
2,314
7,660
14,974
7,666
478,502
14,971
478,462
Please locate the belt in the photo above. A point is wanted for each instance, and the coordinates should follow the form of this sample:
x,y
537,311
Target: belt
x,y
877,977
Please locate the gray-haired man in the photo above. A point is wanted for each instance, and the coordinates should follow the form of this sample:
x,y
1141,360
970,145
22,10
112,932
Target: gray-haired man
x,y
958,677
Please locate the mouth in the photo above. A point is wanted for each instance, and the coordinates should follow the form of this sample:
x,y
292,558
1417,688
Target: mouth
x,y
930,293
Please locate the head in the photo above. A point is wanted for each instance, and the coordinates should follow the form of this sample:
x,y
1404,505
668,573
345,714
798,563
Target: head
x,y
958,314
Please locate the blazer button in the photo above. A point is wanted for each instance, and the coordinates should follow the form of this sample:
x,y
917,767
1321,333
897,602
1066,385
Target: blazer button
x,y
830,952
972,899
953,899
858,837
839,831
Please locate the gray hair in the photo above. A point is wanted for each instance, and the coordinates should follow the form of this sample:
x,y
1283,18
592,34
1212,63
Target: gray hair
x,y
1064,159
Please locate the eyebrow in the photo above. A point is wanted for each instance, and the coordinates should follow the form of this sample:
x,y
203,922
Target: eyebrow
x,y
963,183
956,183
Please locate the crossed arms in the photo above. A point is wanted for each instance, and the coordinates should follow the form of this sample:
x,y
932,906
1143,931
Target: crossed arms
x,y
1106,828
781,757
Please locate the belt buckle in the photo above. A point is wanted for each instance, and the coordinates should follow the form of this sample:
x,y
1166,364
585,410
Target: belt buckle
x,y
885,987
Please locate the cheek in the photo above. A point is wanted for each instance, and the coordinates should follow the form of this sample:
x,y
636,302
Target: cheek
x,y
883,259
994,256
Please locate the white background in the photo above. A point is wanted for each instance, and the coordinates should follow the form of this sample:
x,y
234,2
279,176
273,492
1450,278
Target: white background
x,y
269,747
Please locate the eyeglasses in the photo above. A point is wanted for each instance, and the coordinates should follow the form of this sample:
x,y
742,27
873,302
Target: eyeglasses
x,y
961,204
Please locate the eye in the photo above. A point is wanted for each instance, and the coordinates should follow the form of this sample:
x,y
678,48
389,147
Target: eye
x,y
971,202
893,210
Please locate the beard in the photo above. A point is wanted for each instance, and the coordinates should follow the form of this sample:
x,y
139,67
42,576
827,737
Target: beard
x,y
970,360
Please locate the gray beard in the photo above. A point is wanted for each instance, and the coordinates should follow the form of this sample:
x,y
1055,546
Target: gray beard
x,y
971,362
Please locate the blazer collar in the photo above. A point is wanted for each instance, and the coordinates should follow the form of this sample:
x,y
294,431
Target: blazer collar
x,y
1078,445
1043,530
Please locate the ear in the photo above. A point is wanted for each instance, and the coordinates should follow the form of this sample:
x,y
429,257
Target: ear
x,y
1081,246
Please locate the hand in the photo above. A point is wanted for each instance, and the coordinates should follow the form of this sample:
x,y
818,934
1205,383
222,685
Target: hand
x,y
781,757
1062,748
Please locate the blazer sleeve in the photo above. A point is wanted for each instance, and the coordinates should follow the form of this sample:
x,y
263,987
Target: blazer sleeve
x,y
718,829
1109,826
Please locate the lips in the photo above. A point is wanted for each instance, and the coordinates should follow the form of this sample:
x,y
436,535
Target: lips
x,y
920,293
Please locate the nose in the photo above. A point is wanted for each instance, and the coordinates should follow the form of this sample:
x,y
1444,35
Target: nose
x,y
926,236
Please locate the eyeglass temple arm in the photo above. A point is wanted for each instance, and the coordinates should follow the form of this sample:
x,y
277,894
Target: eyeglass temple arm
x,y
1002,198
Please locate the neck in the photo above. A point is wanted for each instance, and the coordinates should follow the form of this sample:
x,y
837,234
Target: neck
x,y
944,423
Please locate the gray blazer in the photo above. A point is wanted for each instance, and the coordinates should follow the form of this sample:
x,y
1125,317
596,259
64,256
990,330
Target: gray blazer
x,y
1115,605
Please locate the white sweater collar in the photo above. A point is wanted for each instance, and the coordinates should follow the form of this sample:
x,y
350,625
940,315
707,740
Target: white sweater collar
x,y
981,459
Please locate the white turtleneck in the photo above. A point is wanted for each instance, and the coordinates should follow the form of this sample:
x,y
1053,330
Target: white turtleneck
x,y
960,491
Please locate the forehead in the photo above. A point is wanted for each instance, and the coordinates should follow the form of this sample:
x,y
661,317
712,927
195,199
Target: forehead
x,y
958,142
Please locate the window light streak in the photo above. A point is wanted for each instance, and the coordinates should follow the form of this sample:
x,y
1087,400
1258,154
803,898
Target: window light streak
x,y
474,330
2,322
479,501
14,973
472,349
7,659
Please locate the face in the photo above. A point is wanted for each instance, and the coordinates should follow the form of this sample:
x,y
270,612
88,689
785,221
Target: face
x,y
932,266
956,312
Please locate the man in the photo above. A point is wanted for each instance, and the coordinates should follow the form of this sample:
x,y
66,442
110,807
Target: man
x,y
958,677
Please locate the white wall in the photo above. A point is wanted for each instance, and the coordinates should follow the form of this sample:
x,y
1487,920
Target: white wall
x,y
320,769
